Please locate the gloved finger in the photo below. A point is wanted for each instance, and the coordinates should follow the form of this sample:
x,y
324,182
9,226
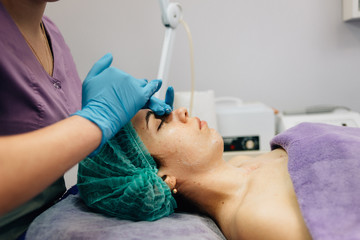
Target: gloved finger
x,y
159,107
102,64
169,97
152,87
156,105
142,82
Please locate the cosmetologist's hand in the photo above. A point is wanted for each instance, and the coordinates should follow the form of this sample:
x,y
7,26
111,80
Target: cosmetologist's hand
x,y
111,97
161,107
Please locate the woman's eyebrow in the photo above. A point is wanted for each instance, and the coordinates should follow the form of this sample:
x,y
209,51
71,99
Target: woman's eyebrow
x,y
147,117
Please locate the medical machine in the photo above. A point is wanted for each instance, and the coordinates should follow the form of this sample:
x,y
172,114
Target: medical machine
x,y
244,126
330,115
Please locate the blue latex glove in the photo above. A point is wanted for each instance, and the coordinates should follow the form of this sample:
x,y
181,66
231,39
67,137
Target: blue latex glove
x,y
111,97
160,107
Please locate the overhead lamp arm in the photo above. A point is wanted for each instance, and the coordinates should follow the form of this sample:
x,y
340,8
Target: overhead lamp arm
x,y
171,16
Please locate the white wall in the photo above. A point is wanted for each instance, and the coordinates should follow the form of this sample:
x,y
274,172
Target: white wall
x,y
287,54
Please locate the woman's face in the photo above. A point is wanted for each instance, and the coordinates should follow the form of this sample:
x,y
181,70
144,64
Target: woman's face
x,y
180,143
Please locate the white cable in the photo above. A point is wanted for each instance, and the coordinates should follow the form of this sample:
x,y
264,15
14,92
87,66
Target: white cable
x,y
187,29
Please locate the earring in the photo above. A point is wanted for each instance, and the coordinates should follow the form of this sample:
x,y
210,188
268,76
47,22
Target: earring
x,y
174,191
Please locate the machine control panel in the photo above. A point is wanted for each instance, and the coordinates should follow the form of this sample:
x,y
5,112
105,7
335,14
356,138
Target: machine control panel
x,y
244,143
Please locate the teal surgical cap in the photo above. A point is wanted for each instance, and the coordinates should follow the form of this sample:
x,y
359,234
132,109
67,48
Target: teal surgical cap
x,y
122,181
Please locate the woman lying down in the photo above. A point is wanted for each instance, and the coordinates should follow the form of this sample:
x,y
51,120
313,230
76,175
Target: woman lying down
x,y
306,187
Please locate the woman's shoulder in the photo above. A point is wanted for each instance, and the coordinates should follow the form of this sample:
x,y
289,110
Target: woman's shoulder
x,y
269,221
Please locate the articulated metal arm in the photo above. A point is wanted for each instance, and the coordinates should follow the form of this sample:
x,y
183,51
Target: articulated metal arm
x,y
171,16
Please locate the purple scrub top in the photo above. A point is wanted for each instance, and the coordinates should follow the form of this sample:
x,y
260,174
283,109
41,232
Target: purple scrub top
x,y
31,99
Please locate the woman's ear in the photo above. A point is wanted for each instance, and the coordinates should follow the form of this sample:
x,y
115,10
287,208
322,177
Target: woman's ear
x,y
169,180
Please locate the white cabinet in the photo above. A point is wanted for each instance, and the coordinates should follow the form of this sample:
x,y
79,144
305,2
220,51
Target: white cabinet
x,y
351,10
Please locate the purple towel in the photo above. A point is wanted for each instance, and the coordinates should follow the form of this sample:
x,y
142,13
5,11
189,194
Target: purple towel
x,y
324,165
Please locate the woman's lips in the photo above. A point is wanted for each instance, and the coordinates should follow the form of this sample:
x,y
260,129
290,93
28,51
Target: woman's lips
x,y
201,123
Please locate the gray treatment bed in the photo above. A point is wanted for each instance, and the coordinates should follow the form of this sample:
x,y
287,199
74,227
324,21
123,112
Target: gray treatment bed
x,y
71,219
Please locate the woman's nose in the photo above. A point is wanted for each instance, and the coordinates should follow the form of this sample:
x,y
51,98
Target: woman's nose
x,y
181,114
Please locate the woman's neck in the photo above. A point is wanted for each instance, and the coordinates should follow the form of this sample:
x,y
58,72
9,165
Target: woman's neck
x,y
27,14
214,190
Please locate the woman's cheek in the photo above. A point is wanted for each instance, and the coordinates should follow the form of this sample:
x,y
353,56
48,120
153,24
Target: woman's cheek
x,y
217,140
166,143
